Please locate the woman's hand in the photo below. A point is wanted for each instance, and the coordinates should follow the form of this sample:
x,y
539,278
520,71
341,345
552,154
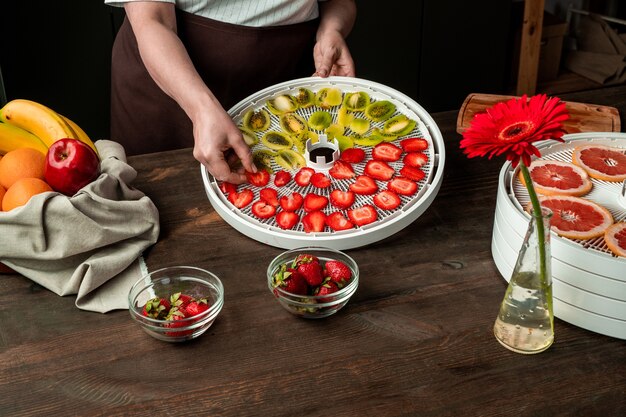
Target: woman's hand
x,y
330,53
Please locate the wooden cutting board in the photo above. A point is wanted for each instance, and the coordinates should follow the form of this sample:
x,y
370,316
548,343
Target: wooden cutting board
x,y
584,117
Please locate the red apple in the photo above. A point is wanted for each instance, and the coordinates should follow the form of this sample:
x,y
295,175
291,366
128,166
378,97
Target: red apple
x,y
70,165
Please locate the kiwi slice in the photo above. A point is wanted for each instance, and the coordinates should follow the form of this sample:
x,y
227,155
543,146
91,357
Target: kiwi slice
x,y
299,141
277,140
305,98
344,117
249,137
320,120
370,140
290,160
386,137
334,130
399,125
344,142
293,123
256,120
263,158
356,101
282,104
359,125
328,97
379,111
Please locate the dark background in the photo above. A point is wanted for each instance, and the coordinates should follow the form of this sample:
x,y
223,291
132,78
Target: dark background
x,y
435,51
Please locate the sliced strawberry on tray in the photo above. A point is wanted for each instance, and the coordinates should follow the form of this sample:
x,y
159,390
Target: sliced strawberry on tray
x,y
415,159
353,155
379,170
242,198
403,186
341,199
315,202
269,195
320,180
341,170
303,176
412,173
263,210
227,187
363,215
337,221
364,185
291,202
414,144
386,152
287,219
260,178
282,178
314,222
387,200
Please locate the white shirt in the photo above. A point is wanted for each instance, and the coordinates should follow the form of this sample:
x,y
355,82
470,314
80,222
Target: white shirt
x,y
245,12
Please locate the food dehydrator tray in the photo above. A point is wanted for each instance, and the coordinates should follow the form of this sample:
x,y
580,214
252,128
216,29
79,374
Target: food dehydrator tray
x,y
589,281
388,222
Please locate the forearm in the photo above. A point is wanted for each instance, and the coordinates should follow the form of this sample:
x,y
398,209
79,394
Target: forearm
x,y
166,58
336,16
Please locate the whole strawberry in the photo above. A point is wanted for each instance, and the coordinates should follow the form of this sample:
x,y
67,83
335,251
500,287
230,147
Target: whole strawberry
x,y
312,273
196,307
338,272
156,308
328,287
180,300
174,321
304,259
290,280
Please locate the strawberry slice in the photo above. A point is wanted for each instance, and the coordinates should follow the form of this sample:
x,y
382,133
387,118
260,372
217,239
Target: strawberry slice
x,y
386,151
227,188
320,180
412,173
291,202
363,215
387,200
337,221
414,144
364,185
314,202
379,170
282,178
287,219
341,170
415,159
341,199
259,178
269,195
263,210
403,186
242,198
352,155
303,177
314,222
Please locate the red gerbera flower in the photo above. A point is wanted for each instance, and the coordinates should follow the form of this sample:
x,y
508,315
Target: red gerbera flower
x,y
511,127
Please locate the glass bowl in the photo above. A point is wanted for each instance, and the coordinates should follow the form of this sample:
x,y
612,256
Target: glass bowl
x,y
195,282
312,306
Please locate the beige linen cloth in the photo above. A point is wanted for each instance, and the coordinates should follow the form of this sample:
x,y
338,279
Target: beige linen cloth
x,y
89,244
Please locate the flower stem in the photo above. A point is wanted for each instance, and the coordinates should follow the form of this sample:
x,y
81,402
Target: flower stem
x,y
537,213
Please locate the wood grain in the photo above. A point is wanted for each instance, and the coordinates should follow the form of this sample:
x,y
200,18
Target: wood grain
x,y
415,340
530,47
583,117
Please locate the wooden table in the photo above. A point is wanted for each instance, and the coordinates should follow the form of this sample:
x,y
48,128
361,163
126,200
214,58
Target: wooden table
x,y
416,338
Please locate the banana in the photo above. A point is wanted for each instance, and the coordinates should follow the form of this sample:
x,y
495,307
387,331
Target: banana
x,y
13,137
80,133
37,119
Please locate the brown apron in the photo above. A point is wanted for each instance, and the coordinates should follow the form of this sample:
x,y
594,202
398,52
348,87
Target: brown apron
x,y
234,61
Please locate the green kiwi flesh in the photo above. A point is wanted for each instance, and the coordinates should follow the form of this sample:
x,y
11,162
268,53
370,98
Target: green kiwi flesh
x,y
256,120
356,101
282,104
320,120
379,111
277,140
399,125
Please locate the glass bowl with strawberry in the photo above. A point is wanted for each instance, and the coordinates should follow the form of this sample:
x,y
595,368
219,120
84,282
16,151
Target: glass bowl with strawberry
x,y
176,303
313,282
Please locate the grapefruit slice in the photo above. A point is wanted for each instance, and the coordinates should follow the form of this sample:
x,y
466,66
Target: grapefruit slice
x,y
575,217
601,162
558,178
615,238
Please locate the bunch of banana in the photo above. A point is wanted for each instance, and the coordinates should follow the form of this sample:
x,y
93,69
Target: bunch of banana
x,y
25,123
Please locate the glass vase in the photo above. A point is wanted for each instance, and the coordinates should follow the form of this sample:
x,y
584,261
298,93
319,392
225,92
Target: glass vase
x,y
525,323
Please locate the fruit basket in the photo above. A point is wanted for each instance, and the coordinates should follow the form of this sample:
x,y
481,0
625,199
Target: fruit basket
x,y
589,281
265,111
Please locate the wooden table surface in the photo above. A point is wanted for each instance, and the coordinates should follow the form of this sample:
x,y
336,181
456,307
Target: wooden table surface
x,y
415,340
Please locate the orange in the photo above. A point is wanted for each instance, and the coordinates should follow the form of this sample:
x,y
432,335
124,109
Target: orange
x,y
2,191
21,163
21,191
